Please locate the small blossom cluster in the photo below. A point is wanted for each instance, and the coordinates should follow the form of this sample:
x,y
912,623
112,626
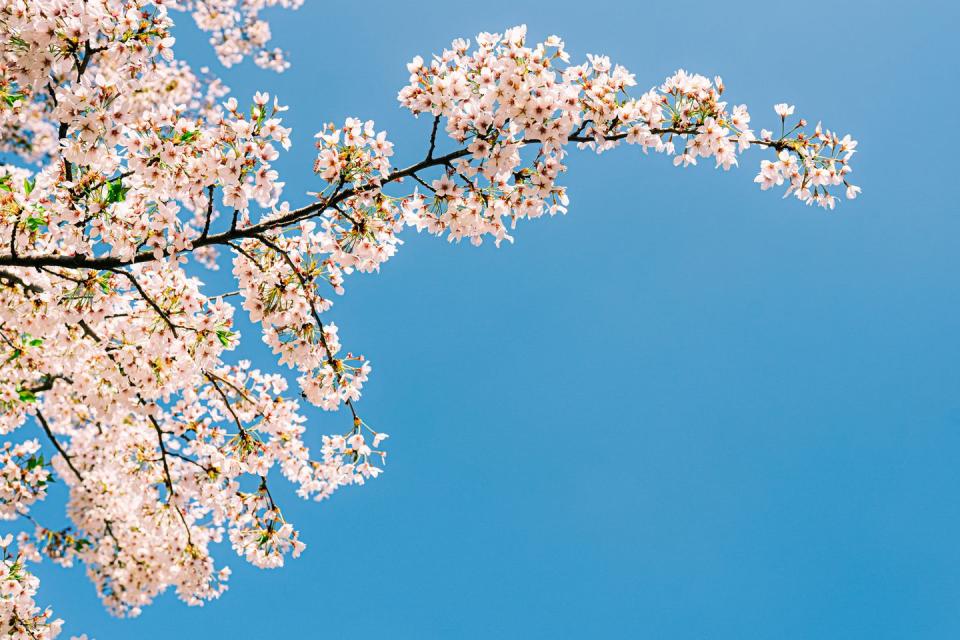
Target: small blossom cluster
x,y
20,616
361,231
279,280
813,165
264,538
237,30
692,102
23,478
355,447
354,154
495,99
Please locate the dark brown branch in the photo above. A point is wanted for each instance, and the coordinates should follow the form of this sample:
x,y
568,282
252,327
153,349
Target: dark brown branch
x,y
226,402
177,454
146,298
266,491
11,279
291,217
61,275
346,215
424,184
245,254
168,479
13,234
59,447
47,383
433,138
206,223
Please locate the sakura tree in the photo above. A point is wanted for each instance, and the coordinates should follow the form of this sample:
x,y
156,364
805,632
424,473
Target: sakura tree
x,y
126,173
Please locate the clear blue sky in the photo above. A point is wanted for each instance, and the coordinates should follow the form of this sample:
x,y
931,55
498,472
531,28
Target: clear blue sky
x,y
686,410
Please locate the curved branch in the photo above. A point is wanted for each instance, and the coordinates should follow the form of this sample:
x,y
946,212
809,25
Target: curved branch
x,y
236,233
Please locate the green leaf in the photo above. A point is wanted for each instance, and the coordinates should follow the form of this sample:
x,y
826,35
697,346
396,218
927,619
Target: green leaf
x,y
116,192
28,185
103,280
189,136
27,396
35,222
225,336
35,342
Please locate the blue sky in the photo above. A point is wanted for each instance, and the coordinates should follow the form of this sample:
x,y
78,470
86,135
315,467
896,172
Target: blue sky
x,y
686,410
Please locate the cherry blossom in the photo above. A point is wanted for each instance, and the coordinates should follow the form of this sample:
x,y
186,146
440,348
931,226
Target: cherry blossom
x,y
20,616
126,173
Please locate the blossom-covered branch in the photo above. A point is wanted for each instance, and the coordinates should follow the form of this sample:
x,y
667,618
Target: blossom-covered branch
x,y
126,174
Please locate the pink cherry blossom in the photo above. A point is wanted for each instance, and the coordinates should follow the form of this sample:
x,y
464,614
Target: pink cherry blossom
x,y
118,378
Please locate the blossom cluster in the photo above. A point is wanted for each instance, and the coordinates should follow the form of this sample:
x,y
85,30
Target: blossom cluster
x,y
354,154
20,616
504,97
236,29
126,165
279,280
814,166
23,477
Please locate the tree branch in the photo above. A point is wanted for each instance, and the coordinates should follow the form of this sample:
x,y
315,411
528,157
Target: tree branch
x,y
57,445
433,138
146,298
291,217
